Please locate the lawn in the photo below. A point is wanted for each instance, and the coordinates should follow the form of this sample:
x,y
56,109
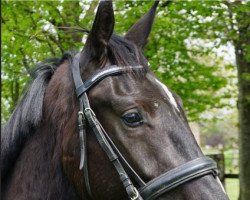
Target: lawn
x,y
232,188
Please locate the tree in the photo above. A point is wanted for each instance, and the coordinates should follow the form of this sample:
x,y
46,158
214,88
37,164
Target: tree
x,y
33,32
242,50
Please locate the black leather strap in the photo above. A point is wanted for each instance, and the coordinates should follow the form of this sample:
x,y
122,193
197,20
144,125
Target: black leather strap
x,y
124,162
76,71
111,71
94,124
83,146
177,176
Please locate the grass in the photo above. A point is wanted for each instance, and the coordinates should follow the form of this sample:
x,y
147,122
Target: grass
x,y
231,161
232,188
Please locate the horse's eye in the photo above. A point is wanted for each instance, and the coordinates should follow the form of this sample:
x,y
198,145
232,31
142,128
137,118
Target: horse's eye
x,y
132,119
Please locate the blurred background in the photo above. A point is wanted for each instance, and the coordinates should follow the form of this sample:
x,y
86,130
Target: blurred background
x,y
200,49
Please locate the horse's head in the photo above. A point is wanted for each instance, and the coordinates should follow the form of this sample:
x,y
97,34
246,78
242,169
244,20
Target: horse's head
x,y
143,118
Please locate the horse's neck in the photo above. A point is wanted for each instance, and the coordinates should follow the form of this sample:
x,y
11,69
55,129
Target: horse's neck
x,y
37,173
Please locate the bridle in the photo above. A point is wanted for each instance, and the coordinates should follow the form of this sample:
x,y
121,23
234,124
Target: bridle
x,y
165,182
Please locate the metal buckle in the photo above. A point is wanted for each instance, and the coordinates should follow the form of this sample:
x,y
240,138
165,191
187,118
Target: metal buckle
x,y
136,195
80,114
80,118
89,109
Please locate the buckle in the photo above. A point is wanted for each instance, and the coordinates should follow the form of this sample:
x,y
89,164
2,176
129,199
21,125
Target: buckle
x,y
80,118
136,196
80,114
90,110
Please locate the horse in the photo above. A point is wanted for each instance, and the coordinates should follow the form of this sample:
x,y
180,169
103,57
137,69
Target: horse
x,y
118,134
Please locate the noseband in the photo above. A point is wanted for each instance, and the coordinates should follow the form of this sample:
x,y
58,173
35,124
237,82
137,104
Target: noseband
x,y
165,182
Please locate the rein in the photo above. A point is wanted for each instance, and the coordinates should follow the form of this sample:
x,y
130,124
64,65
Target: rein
x,y
167,181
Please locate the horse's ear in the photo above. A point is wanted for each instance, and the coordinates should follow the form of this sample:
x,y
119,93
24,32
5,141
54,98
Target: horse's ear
x,y
102,30
140,31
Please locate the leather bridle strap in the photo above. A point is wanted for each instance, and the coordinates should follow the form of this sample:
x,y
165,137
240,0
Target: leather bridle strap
x,y
124,162
94,124
171,179
87,115
110,71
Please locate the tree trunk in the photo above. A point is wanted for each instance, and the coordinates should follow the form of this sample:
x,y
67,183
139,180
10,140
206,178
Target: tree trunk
x,y
243,65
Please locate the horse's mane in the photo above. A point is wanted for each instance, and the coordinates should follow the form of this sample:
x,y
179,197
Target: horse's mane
x,y
28,114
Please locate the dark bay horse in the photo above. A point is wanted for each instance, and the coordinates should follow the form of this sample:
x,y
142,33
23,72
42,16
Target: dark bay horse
x,y
148,150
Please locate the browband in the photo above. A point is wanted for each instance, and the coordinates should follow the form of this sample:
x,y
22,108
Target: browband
x,y
111,71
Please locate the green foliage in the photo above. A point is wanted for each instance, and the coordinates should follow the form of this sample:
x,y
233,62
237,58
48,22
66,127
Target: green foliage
x,y
31,33
34,31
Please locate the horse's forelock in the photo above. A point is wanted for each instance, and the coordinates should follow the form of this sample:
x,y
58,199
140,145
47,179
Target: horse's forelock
x,y
125,52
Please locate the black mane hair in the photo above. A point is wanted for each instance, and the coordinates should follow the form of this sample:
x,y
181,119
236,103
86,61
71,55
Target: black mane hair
x,y
28,114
